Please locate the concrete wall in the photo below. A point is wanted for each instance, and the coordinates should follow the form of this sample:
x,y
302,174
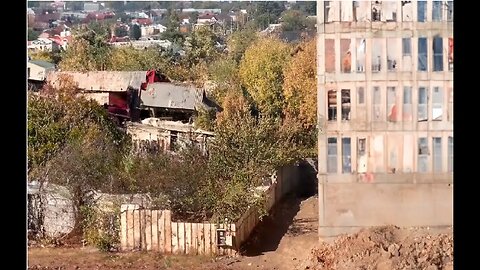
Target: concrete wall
x,y
387,181
350,206
58,212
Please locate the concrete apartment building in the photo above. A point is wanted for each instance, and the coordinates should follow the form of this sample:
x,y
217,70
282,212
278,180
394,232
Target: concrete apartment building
x,y
385,108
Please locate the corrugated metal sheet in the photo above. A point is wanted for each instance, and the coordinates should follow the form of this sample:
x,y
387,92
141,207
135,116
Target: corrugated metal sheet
x,y
108,81
168,95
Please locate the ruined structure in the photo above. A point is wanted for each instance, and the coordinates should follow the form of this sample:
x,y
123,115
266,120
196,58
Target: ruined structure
x,y
385,108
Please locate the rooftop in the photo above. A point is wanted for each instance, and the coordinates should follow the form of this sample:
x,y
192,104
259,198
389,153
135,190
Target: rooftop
x,y
107,81
42,63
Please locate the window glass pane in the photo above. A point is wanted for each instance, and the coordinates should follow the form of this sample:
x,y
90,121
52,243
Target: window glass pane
x,y
422,11
406,46
361,95
346,155
422,54
436,11
437,54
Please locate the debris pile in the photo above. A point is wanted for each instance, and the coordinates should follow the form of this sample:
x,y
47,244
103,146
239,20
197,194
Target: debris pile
x,y
386,247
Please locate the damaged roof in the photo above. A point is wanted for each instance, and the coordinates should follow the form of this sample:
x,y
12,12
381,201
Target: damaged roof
x,y
107,81
169,95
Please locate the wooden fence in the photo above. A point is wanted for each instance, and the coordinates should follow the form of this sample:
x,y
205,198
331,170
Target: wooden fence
x,y
144,229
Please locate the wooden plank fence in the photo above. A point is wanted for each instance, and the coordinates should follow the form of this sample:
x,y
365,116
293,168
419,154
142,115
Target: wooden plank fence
x,y
153,230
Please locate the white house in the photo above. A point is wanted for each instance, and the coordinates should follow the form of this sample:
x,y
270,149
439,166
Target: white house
x,y
153,29
38,70
42,44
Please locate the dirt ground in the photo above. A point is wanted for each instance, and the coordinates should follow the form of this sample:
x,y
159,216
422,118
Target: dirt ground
x,y
285,240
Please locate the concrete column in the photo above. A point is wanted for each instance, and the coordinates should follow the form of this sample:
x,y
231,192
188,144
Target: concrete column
x,y
321,117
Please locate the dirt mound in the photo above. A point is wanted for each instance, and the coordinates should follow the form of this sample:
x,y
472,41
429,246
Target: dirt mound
x,y
388,247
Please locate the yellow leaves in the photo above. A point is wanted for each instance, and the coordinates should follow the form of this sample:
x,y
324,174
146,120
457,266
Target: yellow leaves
x,y
300,85
261,72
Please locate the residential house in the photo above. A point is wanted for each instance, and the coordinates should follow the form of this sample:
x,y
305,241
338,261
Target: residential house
x,y
140,44
119,91
38,70
142,21
168,112
62,40
91,7
179,102
207,19
154,29
42,44
156,134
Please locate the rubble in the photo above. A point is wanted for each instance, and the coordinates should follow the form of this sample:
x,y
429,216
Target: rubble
x,y
386,247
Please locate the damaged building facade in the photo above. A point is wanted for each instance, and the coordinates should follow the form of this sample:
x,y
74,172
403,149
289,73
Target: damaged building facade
x,y
385,106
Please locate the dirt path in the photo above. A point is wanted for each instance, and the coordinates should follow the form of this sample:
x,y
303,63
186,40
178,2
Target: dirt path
x,y
283,240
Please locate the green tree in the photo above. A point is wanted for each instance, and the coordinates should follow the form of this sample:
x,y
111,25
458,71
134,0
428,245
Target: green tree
x,y
245,152
131,59
307,7
88,50
32,35
262,74
224,74
265,13
293,20
58,117
172,33
52,57
239,41
200,46
135,32
120,32
194,17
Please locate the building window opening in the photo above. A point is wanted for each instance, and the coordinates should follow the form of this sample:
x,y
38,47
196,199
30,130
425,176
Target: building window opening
x,y
437,104
450,154
361,55
392,109
437,54
392,55
422,54
362,142
450,11
332,155
360,96
437,154
407,54
377,111
346,104
377,53
346,55
407,11
407,103
437,11
422,155
422,104
376,11
330,53
390,11
346,155
332,105
422,11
